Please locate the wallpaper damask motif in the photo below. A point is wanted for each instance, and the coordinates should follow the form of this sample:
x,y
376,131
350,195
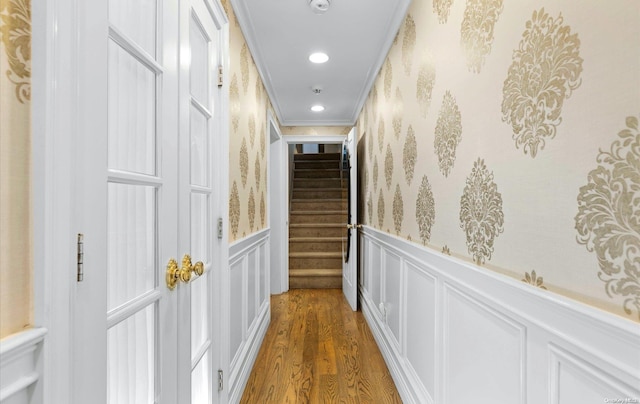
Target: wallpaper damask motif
x,y
546,69
388,167
425,210
249,104
426,81
388,79
534,280
398,112
555,79
448,133
234,209
441,8
252,209
409,155
608,219
375,173
380,209
16,238
398,210
243,158
481,214
15,35
480,17
408,44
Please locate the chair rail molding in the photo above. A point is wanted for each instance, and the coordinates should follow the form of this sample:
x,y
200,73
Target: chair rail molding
x,y
452,332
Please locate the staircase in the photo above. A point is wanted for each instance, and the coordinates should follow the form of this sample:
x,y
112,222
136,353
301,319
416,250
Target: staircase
x,y
317,220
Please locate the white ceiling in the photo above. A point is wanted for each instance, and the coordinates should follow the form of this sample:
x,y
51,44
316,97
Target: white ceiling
x,y
356,34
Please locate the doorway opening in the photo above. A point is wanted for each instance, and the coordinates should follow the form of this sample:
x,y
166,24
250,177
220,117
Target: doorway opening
x,y
318,215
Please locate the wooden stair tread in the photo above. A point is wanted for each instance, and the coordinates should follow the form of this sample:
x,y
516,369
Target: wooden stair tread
x,y
318,212
319,189
312,225
316,272
302,200
317,239
315,254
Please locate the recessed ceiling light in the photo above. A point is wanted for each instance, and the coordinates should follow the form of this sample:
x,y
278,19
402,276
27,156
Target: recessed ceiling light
x,y
317,108
318,57
319,6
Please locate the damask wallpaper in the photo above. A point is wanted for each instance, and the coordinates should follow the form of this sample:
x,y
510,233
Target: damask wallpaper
x,y
507,134
249,104
16,302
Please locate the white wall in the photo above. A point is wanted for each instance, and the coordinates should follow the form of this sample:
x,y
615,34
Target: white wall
x,y
453,333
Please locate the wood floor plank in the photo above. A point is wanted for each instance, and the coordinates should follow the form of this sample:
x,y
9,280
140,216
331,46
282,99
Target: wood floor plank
x,y
317,350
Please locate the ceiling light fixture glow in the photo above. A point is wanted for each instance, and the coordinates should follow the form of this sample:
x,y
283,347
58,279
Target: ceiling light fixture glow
x,y
318,57
317,108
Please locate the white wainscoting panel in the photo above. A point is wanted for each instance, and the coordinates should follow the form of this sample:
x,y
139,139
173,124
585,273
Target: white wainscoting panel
x,y
454,333
20,366
249,306
420,301
390,306
483,352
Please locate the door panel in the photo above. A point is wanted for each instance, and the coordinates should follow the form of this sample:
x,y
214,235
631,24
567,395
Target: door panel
x,y
350,248
146,195
133,223
197,203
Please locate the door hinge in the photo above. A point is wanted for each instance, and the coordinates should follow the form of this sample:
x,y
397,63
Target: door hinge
x,y
80,260
220,228
220,76
220,380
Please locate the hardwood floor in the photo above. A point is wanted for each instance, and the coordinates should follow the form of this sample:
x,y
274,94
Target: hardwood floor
x,y
317,350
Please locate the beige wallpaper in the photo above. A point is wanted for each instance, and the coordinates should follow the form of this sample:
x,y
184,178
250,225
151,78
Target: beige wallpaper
x,y
506,134
249,103
16,263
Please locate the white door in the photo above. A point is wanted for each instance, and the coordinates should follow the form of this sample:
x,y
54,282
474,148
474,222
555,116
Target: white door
x,y
350,248
199,204
144,329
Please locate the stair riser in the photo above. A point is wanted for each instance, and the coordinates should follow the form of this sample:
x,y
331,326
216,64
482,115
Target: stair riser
x,y
319,194
315,246
316,174
318,218
313,263
309,165
317,232
317,183
317,156
315,282
318,205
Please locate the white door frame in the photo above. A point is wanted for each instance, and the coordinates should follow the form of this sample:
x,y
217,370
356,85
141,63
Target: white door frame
x,y
55,79
283,271
278,221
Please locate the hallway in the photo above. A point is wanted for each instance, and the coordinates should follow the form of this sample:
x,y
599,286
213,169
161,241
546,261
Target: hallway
x,y
318,350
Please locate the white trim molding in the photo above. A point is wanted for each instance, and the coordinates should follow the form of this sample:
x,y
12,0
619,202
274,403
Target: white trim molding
x,y
20,365
249,307
452,332
310,139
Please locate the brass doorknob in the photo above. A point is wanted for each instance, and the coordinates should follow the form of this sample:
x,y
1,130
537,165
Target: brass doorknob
x,y
198,268
172,274
188,267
